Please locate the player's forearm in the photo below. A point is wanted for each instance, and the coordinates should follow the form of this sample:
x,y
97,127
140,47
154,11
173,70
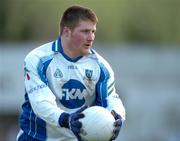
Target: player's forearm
x,y
115,103
48,112
46,109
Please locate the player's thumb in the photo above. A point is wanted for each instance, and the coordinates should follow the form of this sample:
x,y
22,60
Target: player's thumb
x,y
81,109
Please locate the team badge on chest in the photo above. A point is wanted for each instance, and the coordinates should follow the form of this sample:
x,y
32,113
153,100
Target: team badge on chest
x,y
58,73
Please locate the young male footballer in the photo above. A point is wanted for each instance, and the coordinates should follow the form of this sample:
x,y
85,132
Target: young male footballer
x,y
64,77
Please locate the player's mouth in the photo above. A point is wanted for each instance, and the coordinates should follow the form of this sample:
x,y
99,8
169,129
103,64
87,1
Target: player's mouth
x,y
88,45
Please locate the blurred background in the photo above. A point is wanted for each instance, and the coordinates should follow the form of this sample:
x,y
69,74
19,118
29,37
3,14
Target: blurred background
x,y
139,38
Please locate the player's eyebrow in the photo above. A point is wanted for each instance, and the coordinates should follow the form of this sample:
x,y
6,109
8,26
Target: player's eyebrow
x,y
89,30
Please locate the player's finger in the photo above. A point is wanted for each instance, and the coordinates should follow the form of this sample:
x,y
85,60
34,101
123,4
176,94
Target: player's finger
x,y
115,115
78,137
118,122
113,137
78,116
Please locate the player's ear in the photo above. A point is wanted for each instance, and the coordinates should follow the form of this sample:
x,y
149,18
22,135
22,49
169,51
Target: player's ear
x,y
66,31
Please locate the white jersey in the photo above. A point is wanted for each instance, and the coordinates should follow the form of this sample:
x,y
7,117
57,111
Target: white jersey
x,y
54,83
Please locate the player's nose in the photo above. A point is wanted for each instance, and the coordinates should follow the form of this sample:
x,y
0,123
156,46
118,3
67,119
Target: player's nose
x,y
91,36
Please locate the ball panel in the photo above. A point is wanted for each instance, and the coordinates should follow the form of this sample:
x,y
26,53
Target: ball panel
x,y
97,125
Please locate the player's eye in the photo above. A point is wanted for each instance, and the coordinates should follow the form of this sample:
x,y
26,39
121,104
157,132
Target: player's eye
x,y
86,31
93,31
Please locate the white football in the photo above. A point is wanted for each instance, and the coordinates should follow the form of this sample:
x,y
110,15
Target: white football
x,y
97,125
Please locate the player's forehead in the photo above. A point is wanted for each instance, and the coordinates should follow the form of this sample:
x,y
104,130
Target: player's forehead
x,y
86,25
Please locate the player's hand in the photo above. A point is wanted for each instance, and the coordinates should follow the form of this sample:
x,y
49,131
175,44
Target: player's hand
x,y
117,125
72,122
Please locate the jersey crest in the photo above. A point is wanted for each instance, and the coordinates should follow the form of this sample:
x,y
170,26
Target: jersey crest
x,y
89,73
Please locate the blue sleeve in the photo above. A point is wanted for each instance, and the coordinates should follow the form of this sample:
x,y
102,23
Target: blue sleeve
x,y
102,87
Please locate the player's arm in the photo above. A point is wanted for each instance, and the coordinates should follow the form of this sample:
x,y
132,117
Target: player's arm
x,y
106,95
42,100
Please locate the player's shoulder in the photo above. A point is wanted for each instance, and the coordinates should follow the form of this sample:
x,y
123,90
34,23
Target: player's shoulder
x,y
100,59
40,52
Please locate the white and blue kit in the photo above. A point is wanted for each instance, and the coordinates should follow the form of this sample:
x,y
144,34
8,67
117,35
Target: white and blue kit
x,y
54,83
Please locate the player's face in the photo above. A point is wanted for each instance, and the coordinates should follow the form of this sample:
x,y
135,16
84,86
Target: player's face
x,y
82,37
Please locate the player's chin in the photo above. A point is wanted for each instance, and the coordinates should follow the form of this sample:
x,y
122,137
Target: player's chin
x,y
86,50
85,53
